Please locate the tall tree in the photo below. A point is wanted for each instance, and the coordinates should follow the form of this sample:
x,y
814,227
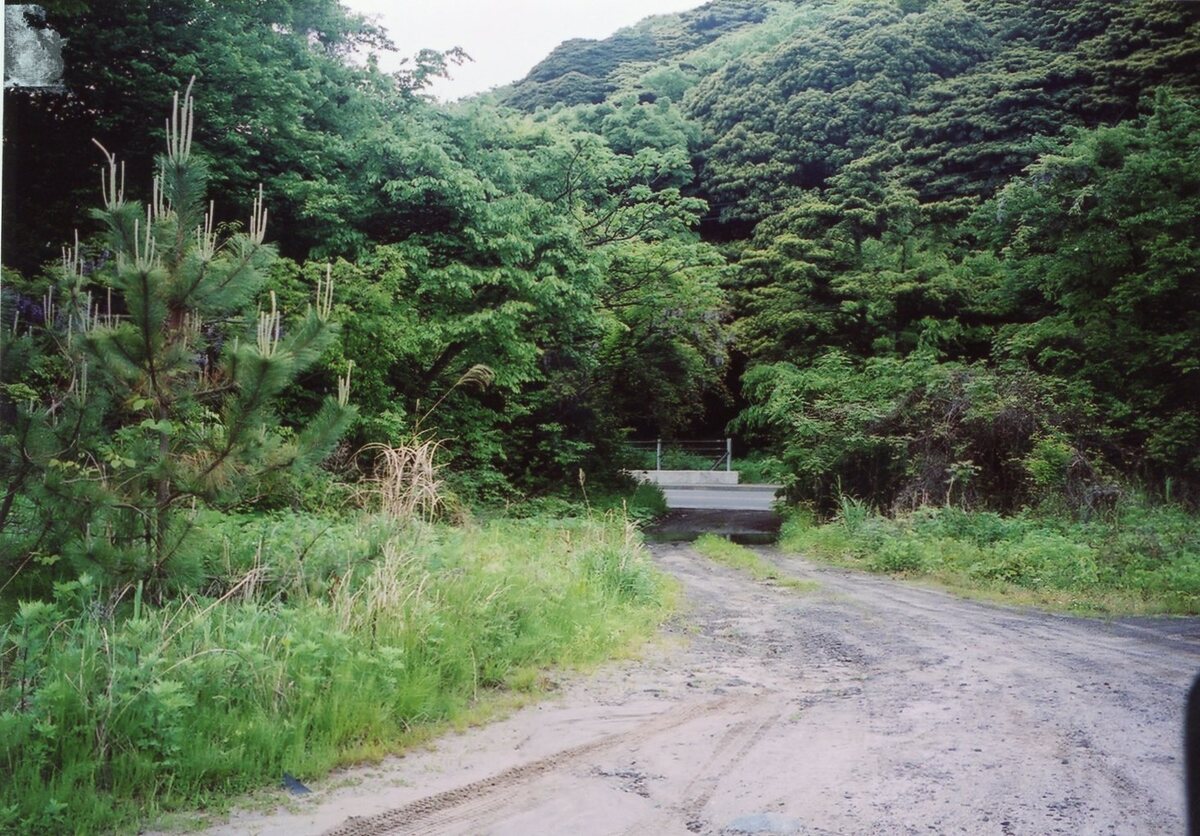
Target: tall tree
x,y
283,106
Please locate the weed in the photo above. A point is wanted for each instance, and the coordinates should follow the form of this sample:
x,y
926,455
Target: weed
x,y
757,469
642,503
736,556
1141,558
405,483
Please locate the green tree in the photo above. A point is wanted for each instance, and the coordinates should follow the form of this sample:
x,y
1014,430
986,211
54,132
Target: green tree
x,y
284,106
1101,253
665,343
167,381
912,431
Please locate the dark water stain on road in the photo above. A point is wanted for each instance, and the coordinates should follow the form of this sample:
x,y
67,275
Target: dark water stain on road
x,y
682,525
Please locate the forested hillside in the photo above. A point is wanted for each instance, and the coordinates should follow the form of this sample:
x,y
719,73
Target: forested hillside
x,y
988,204
867,209
922,258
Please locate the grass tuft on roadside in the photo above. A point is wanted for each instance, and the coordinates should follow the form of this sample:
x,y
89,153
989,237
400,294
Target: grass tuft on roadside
x,y
1142,559
317,643
736,556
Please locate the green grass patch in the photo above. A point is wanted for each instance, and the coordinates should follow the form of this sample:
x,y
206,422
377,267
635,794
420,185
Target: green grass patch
x,y
1143,559
316,643
726,552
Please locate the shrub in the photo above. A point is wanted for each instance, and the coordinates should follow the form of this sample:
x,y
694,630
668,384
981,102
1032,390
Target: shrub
x,y
914,431
1144,557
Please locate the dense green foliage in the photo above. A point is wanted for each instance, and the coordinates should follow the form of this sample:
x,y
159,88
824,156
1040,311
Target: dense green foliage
x,y
1102,252
296,661
122,412
1077,322
863,163
914,431
560,253
580,71
962,190
930,251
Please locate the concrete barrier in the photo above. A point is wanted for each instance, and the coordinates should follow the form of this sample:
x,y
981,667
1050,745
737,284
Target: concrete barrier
x,y
686,477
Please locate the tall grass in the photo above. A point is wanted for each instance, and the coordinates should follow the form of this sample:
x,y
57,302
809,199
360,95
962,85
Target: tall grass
x,y
406,484
760,469
109,715
642,502
1143,558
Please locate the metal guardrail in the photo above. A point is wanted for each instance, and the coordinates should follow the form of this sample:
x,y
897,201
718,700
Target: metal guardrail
x,y
685,454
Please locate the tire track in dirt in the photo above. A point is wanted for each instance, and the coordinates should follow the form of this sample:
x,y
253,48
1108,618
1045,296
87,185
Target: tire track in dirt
x,y
476,795
730,751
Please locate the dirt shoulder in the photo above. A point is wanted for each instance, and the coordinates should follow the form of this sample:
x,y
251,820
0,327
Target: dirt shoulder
x,y
867,706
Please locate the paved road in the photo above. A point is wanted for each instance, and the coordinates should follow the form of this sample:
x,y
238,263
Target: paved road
x,y
721,497
861,706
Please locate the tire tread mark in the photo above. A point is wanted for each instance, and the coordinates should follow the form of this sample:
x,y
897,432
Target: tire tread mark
x,y
744,735
393,820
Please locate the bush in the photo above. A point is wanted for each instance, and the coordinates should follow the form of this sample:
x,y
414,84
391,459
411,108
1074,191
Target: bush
x,y
899,555
759,469
914,431
647,502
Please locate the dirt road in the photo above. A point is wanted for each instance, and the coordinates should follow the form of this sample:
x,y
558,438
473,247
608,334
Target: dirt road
x,y
866,706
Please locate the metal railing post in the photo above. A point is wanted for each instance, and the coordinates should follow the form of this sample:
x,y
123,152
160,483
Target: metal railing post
x,y
658,455
728,454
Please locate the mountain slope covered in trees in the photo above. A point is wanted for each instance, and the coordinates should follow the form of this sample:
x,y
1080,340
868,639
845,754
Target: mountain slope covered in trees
x,y
736,190
895,181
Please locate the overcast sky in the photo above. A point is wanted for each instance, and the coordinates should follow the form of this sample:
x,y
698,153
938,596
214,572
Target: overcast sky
x,y
505,37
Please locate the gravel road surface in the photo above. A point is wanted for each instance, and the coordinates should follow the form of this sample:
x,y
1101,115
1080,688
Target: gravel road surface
x,y
865,706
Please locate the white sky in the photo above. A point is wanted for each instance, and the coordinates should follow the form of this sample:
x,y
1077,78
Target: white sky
x,y
505,37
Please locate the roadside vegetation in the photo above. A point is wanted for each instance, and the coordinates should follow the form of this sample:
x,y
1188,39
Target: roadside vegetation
x,y
1139,558
642,503
297,660
194,608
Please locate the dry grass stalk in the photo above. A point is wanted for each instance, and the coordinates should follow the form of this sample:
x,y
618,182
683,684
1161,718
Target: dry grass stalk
x,y
406,482
385,593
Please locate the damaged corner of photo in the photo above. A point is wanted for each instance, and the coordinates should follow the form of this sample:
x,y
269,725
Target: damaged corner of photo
x,y
32,51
